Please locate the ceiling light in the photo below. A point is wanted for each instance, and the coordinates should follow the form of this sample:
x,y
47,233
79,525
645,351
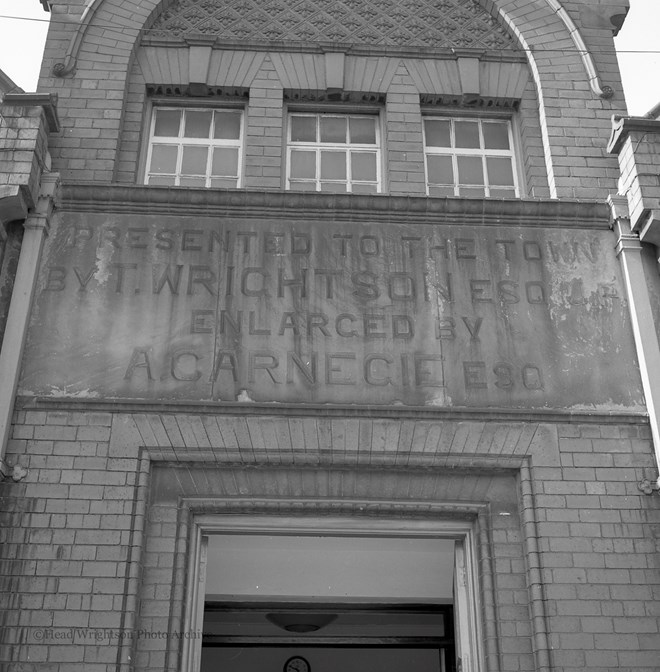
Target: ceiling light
x,y
302,622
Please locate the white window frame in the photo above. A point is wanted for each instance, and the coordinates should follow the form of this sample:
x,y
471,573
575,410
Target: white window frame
x,y
467,606
180,141
348,148
483,153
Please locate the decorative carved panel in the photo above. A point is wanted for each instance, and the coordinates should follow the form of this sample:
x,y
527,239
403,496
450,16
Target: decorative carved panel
x,y
434,24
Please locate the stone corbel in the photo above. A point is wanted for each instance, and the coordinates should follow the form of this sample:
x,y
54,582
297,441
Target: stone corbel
x,y
15,202
620,222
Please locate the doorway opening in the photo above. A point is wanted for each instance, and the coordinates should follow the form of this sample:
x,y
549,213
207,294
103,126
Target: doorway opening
x,y
310,600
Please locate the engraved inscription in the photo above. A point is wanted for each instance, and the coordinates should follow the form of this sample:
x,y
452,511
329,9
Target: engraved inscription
x,y
302,311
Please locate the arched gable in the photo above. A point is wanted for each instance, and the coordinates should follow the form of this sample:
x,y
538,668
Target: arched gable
x,y
507,25
480,25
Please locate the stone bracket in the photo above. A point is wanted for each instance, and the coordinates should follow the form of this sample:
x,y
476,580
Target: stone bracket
x,y
15,202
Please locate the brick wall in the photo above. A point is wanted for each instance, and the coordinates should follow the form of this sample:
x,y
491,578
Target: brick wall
x,y
600,559
65,536
639,157
403,139
265,118
24,142
73,542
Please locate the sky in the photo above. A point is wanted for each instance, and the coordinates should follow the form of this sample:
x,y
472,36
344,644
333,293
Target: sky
x,y
21,46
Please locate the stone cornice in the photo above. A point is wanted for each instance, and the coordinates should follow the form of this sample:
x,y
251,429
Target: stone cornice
x,y
244,203
47,101
332,411
513,56
623,126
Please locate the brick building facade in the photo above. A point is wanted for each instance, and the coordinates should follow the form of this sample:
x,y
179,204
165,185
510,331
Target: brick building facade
x,y
326,347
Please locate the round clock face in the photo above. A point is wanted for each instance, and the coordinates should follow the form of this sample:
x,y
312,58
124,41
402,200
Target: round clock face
x,y
297,664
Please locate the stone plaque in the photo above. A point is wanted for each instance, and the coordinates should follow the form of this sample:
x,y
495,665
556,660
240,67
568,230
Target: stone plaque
x,y
245,309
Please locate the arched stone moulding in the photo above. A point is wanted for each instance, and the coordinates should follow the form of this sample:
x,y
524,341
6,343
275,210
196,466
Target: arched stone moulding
x,y
68,65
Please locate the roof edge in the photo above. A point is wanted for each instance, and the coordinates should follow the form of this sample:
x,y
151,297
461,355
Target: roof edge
x,y
623,126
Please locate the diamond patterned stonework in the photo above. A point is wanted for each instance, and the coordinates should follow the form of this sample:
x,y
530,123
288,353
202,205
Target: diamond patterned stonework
x,y
431,24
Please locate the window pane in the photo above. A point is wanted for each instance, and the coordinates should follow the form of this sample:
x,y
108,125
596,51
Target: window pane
x,y
302,186
441,170
210,147
303,129
500,171
467,134
333,129
363,166
198,123
227,125
192,182
167,123
303,164
333,165
333,141
224,183
362,130
194,160
472,192
334,186
470,170
438,132
364,189
502,193
163,159
441,191
225,161
164,181
496,135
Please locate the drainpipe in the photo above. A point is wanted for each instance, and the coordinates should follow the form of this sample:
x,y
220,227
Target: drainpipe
x,y
36,229
636,218
629,251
